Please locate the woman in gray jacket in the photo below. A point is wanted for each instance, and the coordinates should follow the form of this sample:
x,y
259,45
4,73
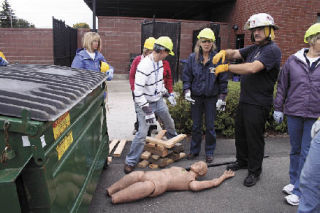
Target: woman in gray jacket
x,y
298,97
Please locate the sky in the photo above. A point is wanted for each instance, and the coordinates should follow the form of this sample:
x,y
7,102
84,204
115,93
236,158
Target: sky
x,y
40,12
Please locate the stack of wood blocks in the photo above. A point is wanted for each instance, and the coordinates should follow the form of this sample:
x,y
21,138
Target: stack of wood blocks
x,y
159,153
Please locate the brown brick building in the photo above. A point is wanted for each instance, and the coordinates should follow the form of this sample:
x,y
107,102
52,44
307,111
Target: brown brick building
x,y
119,24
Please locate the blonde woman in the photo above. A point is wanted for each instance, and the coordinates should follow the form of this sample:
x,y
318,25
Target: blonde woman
x,y
89,57
205,91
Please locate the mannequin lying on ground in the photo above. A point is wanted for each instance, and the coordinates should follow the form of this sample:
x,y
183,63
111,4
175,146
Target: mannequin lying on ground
x,y
140,184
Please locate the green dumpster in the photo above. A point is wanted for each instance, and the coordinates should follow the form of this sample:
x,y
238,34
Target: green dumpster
x,y
53,138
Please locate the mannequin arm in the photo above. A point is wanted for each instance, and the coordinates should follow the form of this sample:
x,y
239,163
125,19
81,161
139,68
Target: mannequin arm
x,y
200,185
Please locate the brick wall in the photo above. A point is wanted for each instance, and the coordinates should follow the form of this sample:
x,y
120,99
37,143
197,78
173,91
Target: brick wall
x,y
122,36
293,17
27,46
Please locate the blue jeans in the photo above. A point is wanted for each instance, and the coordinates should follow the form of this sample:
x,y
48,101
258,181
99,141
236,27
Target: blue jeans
x,y
299,130
310,179
206,105
161,110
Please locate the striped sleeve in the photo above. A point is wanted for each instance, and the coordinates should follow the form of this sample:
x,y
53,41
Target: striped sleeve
x,y
141,79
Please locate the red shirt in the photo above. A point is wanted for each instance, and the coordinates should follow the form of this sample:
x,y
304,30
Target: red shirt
x,y
167,78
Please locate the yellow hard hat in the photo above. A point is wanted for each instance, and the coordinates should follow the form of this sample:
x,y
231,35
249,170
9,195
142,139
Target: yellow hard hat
x,y
104,67
206,33
165,42
314,29
149,42
2,56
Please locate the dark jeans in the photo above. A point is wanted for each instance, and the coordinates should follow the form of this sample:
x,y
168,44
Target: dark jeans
x,y
249,133
206,105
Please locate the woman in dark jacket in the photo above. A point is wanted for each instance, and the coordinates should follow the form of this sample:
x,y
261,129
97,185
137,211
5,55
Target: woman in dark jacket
x,y
298,97
203,88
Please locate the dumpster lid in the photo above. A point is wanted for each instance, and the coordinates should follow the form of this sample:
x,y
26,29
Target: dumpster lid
x,y
46,91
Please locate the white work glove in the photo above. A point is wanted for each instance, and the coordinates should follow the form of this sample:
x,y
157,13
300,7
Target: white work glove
x,y
109,73
315,128
278,116
221,105
150,117
187,96
172,99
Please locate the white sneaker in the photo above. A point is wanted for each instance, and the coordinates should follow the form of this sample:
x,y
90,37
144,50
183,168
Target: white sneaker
x,y
288,189
292,199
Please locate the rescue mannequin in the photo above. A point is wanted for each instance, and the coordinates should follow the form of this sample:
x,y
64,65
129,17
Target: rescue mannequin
x,y
140,184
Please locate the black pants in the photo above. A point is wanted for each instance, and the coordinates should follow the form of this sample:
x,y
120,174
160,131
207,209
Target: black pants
x,y
249,133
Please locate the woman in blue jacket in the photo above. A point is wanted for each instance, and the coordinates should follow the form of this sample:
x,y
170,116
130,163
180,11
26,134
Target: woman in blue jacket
x,y
205,91
89,57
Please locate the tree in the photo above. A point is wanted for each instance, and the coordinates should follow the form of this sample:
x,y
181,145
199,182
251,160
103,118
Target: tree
x,y
8,18
81,25
7,15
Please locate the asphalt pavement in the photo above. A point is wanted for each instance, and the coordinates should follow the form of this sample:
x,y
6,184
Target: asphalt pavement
x,y
230,197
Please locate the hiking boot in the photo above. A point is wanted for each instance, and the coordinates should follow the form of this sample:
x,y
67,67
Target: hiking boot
x,y
288,189
236,166
250,180
191,156
209,159
127,168
292,199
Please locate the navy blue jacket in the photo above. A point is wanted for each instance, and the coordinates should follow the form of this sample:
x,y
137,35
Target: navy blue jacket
x,y
200,78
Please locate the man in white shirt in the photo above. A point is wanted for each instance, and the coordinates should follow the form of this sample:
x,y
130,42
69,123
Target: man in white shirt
x,y
148,92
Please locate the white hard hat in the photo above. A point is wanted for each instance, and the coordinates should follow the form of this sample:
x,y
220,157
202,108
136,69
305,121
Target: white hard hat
x,y
260,20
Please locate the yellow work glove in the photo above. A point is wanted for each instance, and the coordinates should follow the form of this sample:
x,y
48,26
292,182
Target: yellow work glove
x,y
220,55
221,68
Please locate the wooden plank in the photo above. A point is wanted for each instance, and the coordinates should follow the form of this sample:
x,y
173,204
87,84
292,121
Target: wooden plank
x,y
113,143
118,151
160,134
176,139
169,143
153,166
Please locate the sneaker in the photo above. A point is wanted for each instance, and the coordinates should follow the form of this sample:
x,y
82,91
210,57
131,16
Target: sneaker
x,y
288,189
236,166
127,168
250,180
209,159
292,199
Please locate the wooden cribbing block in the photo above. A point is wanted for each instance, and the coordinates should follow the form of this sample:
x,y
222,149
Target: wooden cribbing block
x,y
160,134
178,147
182,155
165,162
174,156
150,145
145,155
143,164
155,157
155,151
113,143
169,143
118,151
153,166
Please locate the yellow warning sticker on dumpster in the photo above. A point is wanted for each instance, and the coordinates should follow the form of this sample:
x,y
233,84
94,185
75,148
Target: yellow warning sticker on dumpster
x,y
61,124
64,144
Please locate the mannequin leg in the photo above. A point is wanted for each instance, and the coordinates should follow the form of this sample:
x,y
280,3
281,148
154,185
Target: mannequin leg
x,y
133,192
125,181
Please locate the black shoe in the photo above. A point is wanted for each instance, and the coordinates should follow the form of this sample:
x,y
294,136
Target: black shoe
x,y
236,166
191,156
209,159
251,180
127,168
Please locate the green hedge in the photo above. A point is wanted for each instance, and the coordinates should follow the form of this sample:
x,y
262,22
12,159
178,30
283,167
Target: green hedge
x,y
224,123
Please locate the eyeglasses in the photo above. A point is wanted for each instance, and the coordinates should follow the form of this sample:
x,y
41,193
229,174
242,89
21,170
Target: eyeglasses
x,y
206,41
